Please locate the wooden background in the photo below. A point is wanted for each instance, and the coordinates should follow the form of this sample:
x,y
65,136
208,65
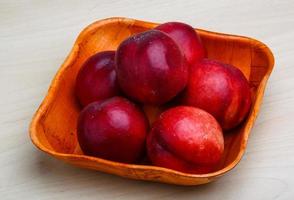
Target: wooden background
x,y
36,36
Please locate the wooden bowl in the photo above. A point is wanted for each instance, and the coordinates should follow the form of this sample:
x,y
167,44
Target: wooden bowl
x,y
53,128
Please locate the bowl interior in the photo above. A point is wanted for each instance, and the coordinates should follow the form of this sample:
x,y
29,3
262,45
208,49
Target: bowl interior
x,y
56,125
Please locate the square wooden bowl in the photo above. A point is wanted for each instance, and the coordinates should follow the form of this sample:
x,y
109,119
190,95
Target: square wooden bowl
x,y
53,128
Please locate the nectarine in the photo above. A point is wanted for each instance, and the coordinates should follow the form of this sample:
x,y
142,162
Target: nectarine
x,y
113,129
150,67
186,139
96,79
187,39
220,89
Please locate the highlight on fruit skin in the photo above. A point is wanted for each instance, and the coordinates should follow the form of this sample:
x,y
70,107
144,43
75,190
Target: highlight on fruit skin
x,y
220,89
113,129
150,67
96,79
186,139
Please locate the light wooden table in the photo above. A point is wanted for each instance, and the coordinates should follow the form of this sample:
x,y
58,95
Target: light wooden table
x,y
36,36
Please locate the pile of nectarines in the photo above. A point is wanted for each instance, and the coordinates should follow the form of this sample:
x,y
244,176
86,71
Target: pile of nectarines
x,y
164,67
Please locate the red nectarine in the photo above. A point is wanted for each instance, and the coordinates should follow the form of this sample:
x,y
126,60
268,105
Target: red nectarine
x,y
150,67
186,139
187,39
220,89
113,129
96,79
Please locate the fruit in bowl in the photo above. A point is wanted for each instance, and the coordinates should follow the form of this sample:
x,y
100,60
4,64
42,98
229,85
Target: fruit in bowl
x,y
186,139
113,129
187,39
96,79
220,89
151,68
53,127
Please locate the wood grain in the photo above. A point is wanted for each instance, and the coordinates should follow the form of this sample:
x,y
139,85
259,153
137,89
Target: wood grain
x,y
53,128
36,36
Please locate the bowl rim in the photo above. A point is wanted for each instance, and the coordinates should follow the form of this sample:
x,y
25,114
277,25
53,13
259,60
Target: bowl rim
x,y
50,96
